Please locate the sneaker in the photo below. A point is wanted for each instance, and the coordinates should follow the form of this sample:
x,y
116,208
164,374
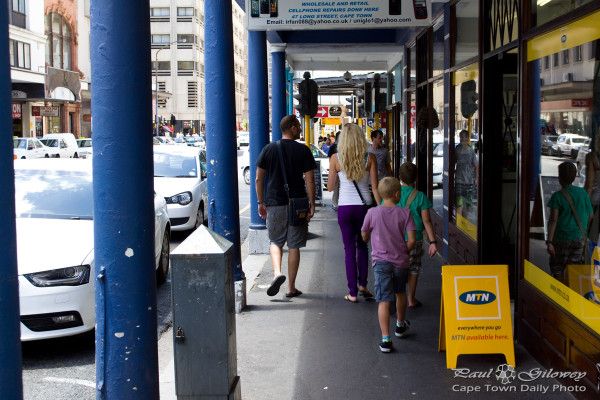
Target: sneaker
x,y
385,347
402,329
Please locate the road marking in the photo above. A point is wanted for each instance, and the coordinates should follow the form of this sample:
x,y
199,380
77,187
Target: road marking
x,y
72,381
244,209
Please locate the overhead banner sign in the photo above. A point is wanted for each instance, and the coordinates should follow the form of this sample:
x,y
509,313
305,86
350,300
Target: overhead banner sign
x,y
279,15
475,314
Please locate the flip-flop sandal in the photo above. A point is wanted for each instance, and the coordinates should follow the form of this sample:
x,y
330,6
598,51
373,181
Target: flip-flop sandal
x,y
366,294
416,305
275,285
296,293
347,298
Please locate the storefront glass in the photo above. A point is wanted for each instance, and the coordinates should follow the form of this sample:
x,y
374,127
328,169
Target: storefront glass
x,y
438,47
438,148
543,11
568,100
467,31
466,152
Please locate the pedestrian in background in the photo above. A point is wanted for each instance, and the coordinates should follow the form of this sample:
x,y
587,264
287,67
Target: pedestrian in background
x,y
274,205
419,205
354,167
325,146
384,162
388,226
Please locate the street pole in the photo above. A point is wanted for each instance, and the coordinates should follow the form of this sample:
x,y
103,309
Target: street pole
x,y
156,82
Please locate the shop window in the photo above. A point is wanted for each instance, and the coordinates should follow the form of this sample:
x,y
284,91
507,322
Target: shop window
x,y
467,31
438,47
438,148
59,41
20,55
566,137
543,11
465,159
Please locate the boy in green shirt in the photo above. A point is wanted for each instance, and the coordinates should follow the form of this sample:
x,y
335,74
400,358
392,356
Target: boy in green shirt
x,y
566,235
419,206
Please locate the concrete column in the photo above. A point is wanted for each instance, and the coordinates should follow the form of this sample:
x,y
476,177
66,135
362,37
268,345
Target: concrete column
x,y
10,335
258,104
221,146
278,84
125,277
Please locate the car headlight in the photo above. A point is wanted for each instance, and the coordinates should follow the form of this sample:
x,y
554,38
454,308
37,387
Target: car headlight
x,y
70,276
183,199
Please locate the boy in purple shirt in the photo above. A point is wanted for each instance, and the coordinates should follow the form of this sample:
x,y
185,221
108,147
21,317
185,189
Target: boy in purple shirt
x,y
390,254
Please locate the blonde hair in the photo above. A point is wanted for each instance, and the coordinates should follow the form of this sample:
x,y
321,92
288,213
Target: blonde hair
x,y
352,149
388,186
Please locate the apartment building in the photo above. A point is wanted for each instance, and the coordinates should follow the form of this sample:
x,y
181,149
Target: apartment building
x,y
177,41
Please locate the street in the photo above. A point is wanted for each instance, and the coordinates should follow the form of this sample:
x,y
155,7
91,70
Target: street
x,y
64,368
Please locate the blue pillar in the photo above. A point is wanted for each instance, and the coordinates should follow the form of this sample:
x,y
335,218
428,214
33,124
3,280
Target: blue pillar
x,y
536,127
289,81
221,153
125,278
10,335
258,105
278,83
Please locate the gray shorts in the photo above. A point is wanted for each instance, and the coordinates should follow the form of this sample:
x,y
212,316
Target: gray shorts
x,y
566,252
279,231
389,280
415,258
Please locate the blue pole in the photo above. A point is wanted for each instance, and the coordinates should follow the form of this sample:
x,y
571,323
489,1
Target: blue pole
x,y
278,83
290,84
125,278
258,105
221,153
11,383
536,128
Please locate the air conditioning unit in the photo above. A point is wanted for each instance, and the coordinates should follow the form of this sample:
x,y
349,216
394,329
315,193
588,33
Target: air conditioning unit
x,y
567,77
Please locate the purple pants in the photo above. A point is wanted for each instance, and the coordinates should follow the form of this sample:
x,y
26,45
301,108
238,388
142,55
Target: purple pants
x,y
350,219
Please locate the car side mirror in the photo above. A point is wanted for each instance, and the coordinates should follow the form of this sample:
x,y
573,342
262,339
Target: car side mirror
x,y
30,148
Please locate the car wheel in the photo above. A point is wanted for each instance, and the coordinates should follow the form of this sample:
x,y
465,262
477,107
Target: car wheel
x,y
46,156
75,155
163,263
199,216
23,158
57,156
247,176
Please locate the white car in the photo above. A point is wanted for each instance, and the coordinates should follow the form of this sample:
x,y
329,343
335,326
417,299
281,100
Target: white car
x,y
243,139
61,145
85,147
180,176
438,163
29,148
570,144
164,140
55,246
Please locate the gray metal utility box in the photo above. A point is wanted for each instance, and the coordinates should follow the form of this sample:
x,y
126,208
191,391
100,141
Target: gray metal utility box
x,y
204,318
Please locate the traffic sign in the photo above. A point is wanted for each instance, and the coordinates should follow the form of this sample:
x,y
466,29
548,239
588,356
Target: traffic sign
x,y
335,111
322,112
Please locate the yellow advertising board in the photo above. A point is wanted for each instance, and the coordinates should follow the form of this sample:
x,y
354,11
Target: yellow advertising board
x,y
475,313
466,226
331,121
583,307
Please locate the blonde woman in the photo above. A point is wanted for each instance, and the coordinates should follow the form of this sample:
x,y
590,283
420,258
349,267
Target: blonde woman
x,y
355,168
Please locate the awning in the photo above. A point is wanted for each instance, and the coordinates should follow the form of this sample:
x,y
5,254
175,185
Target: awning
x,y
167,128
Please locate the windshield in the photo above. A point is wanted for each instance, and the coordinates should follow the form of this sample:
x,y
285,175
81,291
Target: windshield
x,y
316,152
578,140
175,166
84,143
53,194
50,142
438,150
19,143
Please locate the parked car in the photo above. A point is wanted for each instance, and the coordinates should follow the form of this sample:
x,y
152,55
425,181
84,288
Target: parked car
x,y
180,176
61,145
29,148
163,140
243,139
55,246
549,145
320,155
438,163
244,166
569,144
85,147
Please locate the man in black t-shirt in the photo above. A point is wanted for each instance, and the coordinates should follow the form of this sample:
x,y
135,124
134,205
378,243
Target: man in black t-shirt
x,y
274,207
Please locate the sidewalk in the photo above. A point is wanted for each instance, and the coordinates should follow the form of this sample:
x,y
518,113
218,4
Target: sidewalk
x,y
318,346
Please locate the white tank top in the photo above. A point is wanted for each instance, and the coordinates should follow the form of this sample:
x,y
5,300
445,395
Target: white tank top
x,y
348,194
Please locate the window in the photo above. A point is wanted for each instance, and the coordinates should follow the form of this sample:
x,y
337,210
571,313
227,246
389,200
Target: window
x,y
566,57
161,39
578,56
162,65
191,39
58,41
192,94
160,12
18,16
19,54
555,60
186,11
547,62
186,65
467,31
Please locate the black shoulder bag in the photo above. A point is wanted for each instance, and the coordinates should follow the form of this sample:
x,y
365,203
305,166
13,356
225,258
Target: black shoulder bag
x,y
298,206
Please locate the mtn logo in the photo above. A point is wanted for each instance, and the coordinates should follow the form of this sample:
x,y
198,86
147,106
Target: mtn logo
x,y
477,297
